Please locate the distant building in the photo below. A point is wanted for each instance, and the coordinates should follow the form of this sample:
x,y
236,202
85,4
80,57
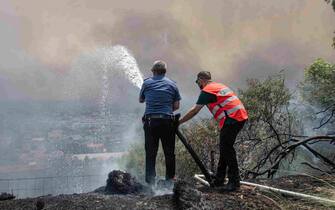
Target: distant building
x,y
76,137
99,156
40,139
96,147
55,134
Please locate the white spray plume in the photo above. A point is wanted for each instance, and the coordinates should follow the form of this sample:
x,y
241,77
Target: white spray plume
x,y
122,59
101,68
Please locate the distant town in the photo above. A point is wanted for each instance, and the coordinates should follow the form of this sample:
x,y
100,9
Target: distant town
x,y
35,142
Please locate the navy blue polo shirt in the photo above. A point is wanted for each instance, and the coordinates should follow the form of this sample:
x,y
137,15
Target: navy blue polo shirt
x,y
159,93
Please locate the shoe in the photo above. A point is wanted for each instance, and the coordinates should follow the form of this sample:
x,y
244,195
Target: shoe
x,y
165,184
218,182
232,186
238,184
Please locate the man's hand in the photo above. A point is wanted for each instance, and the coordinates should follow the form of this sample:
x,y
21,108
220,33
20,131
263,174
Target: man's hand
x,y
176,105
191,113
176,121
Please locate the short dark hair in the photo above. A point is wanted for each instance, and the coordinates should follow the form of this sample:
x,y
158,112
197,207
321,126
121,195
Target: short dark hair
x,y
204,75
159,67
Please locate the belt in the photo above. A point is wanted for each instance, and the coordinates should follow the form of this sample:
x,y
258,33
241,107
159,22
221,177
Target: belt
x,y
158,116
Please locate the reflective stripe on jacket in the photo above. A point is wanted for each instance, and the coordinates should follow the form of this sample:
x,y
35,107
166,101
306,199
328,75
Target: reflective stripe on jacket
x,y
227,103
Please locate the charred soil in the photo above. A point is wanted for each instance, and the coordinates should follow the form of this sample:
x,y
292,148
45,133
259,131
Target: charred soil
x,y
186,196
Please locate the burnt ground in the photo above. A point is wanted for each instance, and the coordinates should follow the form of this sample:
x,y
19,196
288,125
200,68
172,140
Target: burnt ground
x,y
188,196
318,186
89,201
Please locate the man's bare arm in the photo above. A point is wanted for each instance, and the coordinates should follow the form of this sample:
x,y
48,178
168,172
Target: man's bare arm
x,y
176,105
191,113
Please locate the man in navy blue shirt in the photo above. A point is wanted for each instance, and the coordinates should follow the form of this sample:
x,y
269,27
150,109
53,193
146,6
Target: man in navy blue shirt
x,y
162,97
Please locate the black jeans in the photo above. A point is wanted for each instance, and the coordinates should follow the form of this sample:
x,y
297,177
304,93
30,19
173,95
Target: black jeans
x,y
228,159
154,130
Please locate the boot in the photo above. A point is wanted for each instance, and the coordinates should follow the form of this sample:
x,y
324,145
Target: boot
x,y
238,184
218,182
234,178
231,187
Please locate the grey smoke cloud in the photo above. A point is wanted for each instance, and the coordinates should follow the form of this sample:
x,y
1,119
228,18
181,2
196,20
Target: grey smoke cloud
x,y
234,39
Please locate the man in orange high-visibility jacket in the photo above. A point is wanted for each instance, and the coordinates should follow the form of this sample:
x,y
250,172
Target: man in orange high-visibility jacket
x,y
231,115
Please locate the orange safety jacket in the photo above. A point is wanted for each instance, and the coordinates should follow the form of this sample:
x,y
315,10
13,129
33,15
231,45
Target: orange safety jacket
x,y
227,103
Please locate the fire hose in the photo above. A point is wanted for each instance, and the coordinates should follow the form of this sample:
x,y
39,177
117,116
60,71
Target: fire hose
x,y
195,157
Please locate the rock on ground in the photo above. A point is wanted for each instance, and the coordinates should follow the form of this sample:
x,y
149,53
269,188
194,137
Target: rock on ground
x,y
6,196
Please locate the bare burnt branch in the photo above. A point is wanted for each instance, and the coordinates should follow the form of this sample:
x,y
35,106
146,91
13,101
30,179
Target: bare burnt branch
x,y
314,142
319,138
286,150
264,160
327,118
293,156
275,132
322,122
320,156
280,134
317,168
326,109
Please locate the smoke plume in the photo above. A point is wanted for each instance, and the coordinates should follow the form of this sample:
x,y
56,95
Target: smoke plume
x,y
233,39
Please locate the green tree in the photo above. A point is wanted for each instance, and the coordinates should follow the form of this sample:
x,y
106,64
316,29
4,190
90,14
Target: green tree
x,y
270,122
318,88
319,83
265,99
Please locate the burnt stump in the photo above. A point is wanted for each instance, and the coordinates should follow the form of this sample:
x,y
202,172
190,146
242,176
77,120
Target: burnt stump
x,y
120,182
6,196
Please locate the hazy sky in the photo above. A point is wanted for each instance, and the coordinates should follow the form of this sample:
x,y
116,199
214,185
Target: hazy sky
x,y
41,40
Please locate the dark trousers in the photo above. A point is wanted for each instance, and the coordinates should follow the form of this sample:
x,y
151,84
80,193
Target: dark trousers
x,y
228,159
154,130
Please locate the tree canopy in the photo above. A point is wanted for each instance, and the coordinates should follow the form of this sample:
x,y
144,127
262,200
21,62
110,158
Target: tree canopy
x,y
264,99
319,84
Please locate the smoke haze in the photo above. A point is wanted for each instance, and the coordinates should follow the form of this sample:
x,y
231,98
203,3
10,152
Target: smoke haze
x,y
234,39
